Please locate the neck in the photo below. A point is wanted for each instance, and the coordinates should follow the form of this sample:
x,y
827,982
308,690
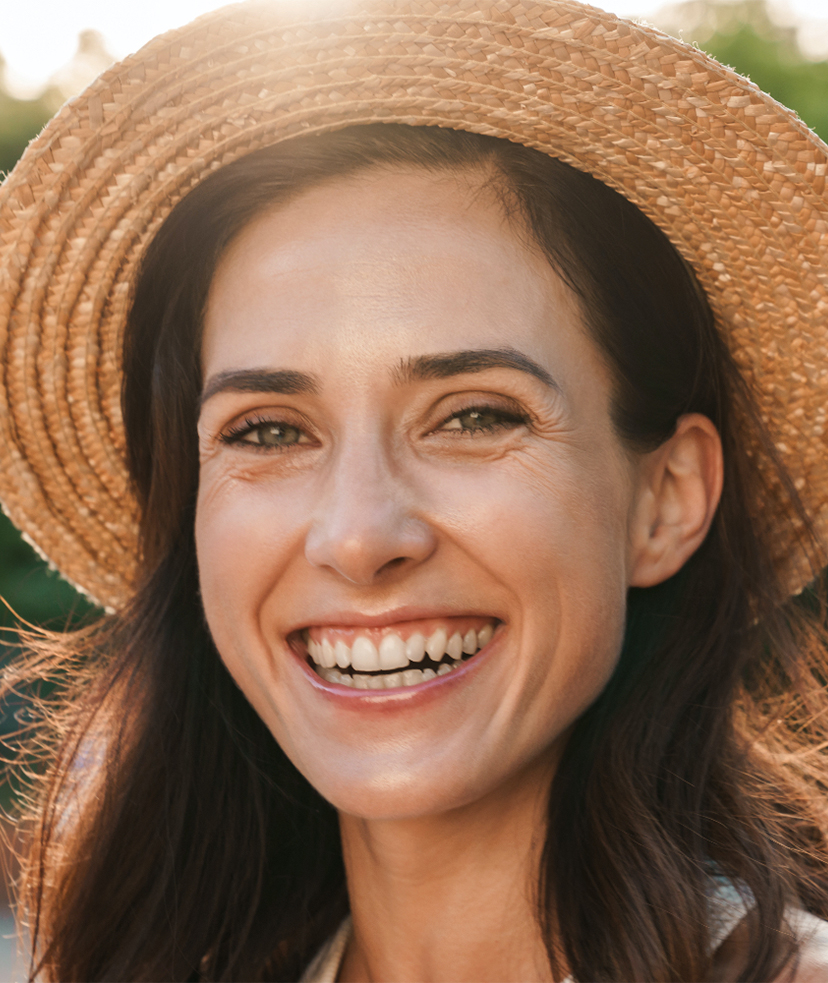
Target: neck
x,y
449,896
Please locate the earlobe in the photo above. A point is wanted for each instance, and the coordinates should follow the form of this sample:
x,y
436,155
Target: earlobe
x,y
680,484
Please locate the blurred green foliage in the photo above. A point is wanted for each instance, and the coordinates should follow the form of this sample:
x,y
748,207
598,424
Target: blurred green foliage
x,y
744,36
20,120
802,85
31,589
741,34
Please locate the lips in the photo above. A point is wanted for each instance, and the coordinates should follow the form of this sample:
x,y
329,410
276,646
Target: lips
x,y
395,657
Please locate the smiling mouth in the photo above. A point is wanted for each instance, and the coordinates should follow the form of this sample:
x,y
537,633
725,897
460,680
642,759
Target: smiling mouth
x,y
393,659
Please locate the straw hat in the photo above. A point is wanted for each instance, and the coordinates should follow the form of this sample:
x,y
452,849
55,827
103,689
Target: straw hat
x,y
735,180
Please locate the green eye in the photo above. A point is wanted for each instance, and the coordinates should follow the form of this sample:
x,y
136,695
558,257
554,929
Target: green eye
x,y
273,435
482,418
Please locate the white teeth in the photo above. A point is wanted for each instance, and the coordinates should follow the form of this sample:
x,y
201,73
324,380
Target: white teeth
x,y
343,654
415,648
436,645
328,654
364,655
392,653
394,680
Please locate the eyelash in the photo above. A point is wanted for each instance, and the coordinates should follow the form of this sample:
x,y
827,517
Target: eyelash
x,y
506,419
236,433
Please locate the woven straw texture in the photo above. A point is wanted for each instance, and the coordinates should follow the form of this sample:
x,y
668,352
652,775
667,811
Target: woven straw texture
x,y
736,181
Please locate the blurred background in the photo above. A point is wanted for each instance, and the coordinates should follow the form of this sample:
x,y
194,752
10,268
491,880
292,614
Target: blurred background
x,y
51,51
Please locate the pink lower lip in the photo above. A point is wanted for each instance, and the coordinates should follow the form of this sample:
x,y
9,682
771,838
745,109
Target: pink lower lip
x,y
404,695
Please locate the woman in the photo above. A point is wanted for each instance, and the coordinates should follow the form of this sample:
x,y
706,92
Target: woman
x,y
450,527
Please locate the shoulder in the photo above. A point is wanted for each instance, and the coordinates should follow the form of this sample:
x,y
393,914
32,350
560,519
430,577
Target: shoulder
x,y
325,966
812,963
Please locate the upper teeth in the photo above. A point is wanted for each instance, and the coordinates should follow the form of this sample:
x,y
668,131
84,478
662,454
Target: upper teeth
x,y
393,652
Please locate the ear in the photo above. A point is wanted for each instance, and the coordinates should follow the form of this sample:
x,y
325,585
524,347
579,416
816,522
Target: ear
x,y
679,487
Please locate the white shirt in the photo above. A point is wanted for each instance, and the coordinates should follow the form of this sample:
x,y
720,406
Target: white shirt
x,y
727,910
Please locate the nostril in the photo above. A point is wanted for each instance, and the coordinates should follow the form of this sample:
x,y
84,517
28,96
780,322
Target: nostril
x,y
397,561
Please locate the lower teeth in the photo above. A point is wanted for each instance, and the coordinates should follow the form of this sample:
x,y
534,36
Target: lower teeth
x,y
395,680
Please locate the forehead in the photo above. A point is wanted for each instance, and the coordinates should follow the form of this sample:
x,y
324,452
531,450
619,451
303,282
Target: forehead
x,y
383,264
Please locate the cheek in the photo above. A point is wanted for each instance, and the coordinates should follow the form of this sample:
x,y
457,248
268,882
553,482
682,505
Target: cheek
x,y
551,523
558,541
246,536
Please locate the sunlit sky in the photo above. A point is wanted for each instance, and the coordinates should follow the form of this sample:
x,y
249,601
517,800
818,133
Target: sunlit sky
x,y
38,38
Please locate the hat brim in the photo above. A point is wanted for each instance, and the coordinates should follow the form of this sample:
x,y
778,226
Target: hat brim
x,y
735,180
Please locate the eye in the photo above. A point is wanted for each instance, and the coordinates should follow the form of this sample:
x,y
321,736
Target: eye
x,y
271,434
482,419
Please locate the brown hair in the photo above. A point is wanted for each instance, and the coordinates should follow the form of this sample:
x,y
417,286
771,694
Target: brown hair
x,y
174,839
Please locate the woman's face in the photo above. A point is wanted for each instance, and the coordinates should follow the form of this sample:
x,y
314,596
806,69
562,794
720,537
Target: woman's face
x,y
409,474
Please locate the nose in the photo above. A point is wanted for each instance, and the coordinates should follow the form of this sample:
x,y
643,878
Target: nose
x,y
366,523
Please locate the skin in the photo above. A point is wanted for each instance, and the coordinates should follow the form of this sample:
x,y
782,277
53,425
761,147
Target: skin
x,y
382,509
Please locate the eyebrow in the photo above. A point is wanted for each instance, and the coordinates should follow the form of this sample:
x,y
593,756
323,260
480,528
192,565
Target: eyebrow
x,y
447,364
440,366
284,381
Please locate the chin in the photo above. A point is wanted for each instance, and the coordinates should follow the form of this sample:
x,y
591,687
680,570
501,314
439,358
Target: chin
x,y
417,789
396,798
